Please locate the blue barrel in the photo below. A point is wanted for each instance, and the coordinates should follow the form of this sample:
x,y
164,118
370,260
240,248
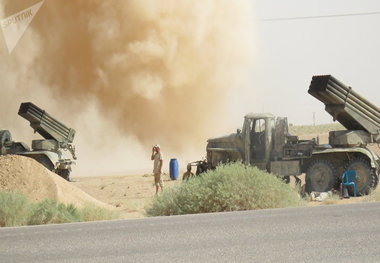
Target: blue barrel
x,y
173,166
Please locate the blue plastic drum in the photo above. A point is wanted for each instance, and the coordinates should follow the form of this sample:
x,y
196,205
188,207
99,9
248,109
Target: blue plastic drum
x,y
173,167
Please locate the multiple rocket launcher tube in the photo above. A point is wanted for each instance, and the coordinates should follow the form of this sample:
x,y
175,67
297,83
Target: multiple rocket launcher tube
x,y
45,125
345,105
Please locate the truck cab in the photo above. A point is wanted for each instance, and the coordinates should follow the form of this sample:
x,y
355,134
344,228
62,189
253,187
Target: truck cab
x,y
264,142
252,144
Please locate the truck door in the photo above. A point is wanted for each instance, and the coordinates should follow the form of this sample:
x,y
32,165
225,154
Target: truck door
x,y
247,130
258,141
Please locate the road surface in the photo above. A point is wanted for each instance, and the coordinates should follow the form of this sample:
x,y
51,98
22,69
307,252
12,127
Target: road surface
x,y
344,233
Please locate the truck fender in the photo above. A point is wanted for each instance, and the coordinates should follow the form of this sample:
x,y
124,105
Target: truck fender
x,y
47,159
373,158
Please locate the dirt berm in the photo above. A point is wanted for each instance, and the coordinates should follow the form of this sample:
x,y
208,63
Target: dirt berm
x,y
25,175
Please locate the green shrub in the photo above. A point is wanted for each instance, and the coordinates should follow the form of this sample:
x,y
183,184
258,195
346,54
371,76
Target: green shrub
x,y
14,209
229,187
95,213
52,212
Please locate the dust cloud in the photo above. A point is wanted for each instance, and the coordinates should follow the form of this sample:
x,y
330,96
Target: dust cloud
x,y
129,74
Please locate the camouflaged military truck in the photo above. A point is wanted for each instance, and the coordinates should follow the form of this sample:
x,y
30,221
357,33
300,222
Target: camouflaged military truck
x,y
56,152
265,142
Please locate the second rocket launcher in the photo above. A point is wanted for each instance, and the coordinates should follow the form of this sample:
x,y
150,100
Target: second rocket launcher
x,y
346,106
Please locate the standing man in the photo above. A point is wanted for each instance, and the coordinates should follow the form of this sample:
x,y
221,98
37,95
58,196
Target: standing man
x,y
157,159
187,175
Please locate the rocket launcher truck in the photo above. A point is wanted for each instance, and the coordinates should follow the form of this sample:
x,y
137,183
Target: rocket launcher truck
x,y
265,142
56,151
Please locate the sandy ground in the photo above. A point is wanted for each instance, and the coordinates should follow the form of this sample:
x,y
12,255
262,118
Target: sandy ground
x,y
129,194
26,176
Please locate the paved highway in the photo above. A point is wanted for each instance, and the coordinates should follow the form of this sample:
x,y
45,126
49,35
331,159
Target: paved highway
x,y
345,233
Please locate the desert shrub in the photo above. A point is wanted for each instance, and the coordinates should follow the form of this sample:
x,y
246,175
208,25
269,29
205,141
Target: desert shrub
x,y
95,213
52,212
14,209
229,187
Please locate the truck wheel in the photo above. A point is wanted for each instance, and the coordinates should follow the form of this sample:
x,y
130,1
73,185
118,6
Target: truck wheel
x,y
5,136
320,176
65,174
376,176
286,179
366,177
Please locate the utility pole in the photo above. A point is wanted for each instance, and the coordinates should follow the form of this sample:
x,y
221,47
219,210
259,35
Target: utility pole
x,y
313,118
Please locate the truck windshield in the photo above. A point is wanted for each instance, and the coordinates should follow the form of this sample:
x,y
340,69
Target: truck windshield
x,y
259,125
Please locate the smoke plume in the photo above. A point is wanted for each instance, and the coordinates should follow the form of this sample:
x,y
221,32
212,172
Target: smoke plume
x,y
144,70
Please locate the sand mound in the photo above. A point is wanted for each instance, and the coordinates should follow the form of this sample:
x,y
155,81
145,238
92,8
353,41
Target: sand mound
x,y
25,175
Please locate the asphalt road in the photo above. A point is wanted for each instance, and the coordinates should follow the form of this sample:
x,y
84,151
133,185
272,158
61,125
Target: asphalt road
x,y
345,233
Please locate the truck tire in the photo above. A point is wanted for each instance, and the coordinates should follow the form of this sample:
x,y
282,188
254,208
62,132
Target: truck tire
x,y
366,176
64,173
320,176
286,179
376,179
5,136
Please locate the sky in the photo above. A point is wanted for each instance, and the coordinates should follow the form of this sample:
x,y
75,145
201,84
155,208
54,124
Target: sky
x,y
289,53
285,56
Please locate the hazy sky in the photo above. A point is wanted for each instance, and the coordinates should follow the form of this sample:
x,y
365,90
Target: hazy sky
x,y
289,53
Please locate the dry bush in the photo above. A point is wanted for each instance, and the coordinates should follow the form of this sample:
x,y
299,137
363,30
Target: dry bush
x,y
16,210
95,213
52,212
229,187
